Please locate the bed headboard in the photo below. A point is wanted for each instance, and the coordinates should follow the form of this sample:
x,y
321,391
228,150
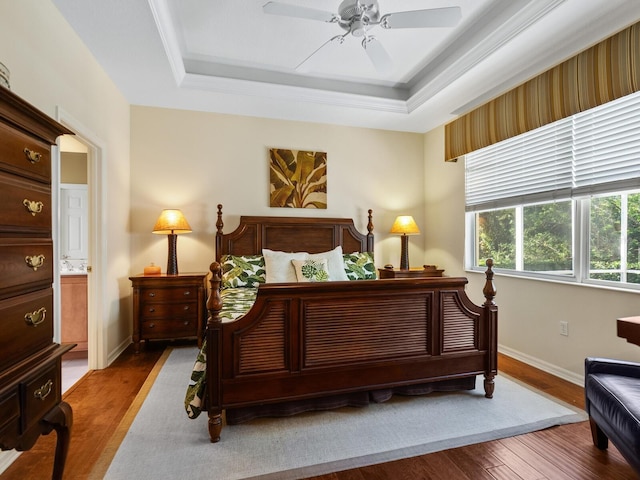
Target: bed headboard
x,y
292,234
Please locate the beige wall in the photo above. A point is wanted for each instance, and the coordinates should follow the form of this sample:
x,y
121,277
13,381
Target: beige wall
x,y
194,160
529,311
50,68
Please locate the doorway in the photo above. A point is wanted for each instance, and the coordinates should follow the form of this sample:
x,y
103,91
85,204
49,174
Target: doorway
x,y
73,257
96,244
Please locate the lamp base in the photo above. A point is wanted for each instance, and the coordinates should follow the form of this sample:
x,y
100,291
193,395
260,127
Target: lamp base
x,y
404,253
172,257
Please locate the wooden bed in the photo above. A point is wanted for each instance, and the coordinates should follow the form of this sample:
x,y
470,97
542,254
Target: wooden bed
x,y
321,345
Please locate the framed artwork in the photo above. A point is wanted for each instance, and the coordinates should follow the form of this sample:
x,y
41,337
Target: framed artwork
x,y
298,178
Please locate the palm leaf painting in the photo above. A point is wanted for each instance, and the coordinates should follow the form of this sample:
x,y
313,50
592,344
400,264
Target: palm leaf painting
x,y
298,178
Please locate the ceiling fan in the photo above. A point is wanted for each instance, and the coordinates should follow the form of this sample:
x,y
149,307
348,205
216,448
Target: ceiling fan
x,y
358,17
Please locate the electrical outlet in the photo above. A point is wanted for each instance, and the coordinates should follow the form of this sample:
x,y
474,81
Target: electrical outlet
x,y
564,328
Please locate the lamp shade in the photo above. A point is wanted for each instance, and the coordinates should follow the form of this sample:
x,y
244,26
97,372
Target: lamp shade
x,y
405,225
171,221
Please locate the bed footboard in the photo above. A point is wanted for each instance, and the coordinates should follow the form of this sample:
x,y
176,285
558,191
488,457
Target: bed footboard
x,y
311,340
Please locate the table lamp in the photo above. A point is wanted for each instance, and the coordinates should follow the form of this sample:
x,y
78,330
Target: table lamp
x,y
405,225
172,223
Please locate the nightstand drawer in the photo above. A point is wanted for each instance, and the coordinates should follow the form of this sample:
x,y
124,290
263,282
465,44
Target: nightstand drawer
x,y
169,328
168,310
176,294
168,306
40,395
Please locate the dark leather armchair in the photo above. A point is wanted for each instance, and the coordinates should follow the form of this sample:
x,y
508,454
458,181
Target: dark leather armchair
x,y
612,393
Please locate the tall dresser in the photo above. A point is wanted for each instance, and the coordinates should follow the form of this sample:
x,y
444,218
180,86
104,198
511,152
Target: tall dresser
x,y
30,362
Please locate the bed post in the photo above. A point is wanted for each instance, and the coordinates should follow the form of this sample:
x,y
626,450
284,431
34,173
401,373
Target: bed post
x,y
219,226
370,232
214,353
491,312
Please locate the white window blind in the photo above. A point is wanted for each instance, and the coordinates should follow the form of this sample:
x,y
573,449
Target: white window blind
x,y
607,147
596,151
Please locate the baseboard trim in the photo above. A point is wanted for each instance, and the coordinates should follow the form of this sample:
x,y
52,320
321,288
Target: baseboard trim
x,y
562,373
7,457
118,350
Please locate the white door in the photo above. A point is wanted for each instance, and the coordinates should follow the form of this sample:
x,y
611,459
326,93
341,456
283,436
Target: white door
x,y
74,222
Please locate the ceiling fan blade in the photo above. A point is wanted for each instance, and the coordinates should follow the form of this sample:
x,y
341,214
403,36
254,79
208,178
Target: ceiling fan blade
x,y
287,10
304,65
378,55
434,17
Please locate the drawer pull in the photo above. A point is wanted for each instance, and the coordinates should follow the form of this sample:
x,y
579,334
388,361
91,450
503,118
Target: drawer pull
x,y
32,155
152,325
187,293
34,261
33,206
186,322
152,294
186,308
34,319
151,310
44,391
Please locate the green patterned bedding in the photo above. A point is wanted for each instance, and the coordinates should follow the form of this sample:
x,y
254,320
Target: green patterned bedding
x,y
235,303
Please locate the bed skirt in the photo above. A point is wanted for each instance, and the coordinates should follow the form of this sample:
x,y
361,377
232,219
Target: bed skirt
x,y
238,415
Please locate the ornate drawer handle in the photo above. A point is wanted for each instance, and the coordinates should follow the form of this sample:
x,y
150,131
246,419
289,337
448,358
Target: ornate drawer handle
x,y
32,155
152,294
34,319
152,325
34,261
186,307
33,206
187,293
152,310
186,322
44,391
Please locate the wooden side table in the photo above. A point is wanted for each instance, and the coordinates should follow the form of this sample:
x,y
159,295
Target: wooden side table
x,y
629,328
168,307
425,271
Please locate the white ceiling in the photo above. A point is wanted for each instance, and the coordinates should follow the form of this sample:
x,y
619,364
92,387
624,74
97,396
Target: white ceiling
x,y
228,56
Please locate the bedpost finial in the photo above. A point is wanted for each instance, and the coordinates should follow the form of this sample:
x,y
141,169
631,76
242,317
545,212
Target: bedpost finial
x,y
489,289
370,222
219,224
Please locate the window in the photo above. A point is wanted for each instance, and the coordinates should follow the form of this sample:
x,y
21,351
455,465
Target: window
x,y
561,201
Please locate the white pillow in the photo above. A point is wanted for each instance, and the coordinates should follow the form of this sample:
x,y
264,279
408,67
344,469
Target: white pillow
x,y
335,263
311,270
278,265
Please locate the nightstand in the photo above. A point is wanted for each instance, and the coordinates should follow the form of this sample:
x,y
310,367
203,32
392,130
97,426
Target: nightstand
x,y
425,271
168,307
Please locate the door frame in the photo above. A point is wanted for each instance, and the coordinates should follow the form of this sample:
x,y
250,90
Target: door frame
x,y
96,178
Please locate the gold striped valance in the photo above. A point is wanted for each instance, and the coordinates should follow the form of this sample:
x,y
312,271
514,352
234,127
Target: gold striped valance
x,y
604,72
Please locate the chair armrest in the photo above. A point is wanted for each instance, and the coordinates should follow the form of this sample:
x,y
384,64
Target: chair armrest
x,y
610,366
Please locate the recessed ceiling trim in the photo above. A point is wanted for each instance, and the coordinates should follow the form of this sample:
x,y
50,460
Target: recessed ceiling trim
x,y
162,17
292,93
487,39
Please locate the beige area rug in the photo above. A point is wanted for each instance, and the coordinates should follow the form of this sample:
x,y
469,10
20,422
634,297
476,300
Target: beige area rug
x,y
156,439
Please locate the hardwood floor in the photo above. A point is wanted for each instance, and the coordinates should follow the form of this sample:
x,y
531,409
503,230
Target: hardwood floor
x,y
101,398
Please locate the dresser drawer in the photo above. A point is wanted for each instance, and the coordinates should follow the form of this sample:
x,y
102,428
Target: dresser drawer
x,y
25,263
26,205
9,410
40,394
168,310
24,155
169,328
26,325
174,294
